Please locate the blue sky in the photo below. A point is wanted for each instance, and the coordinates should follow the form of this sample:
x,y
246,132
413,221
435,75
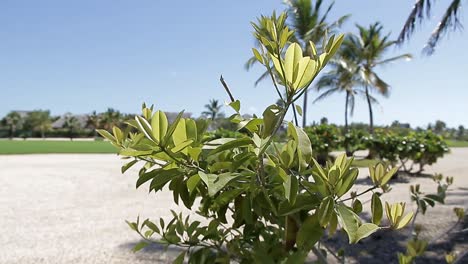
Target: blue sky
x,y
80,56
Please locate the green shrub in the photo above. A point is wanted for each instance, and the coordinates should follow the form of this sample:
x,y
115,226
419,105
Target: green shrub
x,y
281,202
416,149
324,139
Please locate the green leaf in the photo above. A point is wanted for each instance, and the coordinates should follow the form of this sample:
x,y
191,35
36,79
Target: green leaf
x,y
405,220
118,134
304,148
436,198
180,134
162,177
134,153
291,187
298,109
182,146
325,211
215,183
152,226
192,182
309,233
236,143
128,165
270,119
347,182
106,134
258,57
172,128
376,209
235,105
140,246
388,175
145,127
159,125
357,206
365,230
291,60
349,221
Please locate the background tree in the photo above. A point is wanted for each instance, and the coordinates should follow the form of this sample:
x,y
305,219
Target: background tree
x,y
367,50
93,122
310,22
342,77
421,11
39,121
14,121
439,127
461,132
110,118
213,109
71,124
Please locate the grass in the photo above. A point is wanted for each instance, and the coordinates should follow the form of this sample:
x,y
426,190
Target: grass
x,y
365,163
48,147
457,143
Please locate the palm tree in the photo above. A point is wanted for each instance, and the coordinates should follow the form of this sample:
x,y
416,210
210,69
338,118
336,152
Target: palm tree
x,y
71,123
422,10
367,50
213,109
310,24
13,120
342,77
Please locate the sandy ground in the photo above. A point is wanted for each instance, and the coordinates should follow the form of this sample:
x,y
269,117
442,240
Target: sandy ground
x,y
71,208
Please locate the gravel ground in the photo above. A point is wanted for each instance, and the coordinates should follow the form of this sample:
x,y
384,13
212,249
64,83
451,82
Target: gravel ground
x,y
71,208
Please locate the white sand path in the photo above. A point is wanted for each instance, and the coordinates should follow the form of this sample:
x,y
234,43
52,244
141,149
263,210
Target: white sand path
x,y
71,208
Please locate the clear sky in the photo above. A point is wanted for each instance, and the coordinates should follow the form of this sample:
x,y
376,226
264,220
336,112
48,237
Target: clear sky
x,y
80,56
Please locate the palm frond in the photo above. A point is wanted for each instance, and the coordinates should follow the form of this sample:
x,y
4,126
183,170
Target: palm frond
x,y
326,94
449,22
420,11
406,56
262,77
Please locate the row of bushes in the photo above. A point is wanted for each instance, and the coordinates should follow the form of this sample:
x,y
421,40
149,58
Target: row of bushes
x,y
55,133
417,149
411,152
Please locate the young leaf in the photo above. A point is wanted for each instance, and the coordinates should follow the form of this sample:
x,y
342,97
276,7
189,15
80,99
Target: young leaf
x,y
326,210
140,246
376,208
159,125
365,230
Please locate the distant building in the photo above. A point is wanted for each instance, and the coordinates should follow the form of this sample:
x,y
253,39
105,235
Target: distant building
x,y
82,120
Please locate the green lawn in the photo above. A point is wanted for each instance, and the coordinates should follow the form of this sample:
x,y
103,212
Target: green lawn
x,y
365,163
457,144
43,147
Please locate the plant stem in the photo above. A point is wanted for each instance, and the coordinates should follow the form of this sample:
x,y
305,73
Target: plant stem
x,y
357,195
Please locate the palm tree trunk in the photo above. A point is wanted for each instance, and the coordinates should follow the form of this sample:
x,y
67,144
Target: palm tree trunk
x,y
371,115
304,111
346,112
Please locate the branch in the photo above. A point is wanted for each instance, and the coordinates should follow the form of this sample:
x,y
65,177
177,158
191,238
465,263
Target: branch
x,y
227,88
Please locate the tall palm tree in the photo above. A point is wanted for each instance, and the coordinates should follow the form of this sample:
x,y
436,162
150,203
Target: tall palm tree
x,y
367,50
310,23
422,10
342,77
13,120
213,109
